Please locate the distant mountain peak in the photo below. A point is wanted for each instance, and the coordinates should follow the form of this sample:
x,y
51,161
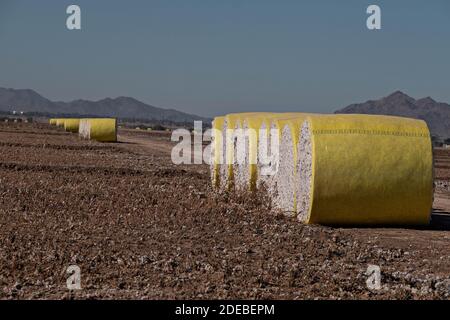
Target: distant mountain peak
x,y
426,101
396,95
127,99
123,98
437,115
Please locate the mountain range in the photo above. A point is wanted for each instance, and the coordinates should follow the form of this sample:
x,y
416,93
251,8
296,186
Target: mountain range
x,y
435,114
28,100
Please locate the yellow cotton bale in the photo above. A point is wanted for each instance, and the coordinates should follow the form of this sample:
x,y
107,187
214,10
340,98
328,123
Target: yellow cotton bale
x,y
72,125
102,130
52,122
60,122
364,170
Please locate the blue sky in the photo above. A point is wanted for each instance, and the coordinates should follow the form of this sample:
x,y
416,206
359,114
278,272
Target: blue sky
x,y
213,57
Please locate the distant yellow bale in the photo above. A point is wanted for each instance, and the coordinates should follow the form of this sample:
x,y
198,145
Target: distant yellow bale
x,y
72,125
52,122
60,122
103,130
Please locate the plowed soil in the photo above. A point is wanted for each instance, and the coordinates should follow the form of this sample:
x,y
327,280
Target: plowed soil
x,y
140,227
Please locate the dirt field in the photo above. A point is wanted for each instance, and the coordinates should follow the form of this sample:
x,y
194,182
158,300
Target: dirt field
x,y
140,227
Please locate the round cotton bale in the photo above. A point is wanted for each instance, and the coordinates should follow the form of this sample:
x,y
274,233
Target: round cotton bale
x,y
103,130
364,170
52,122
72,125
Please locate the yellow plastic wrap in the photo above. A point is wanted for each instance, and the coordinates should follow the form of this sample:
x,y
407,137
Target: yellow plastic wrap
x,y
52,122
370,170
103,130
72,125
